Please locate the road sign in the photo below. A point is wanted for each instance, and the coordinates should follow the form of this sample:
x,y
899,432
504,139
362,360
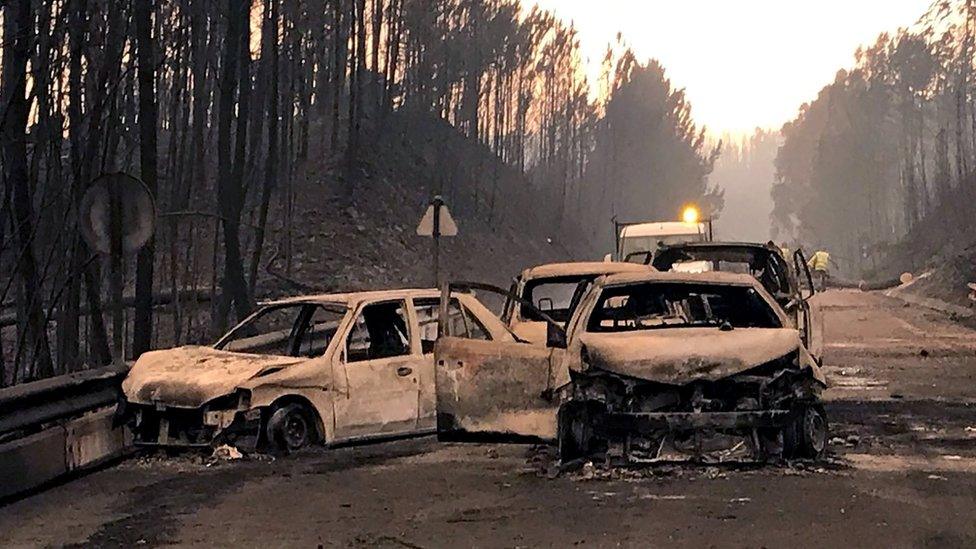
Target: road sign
x,y
435,223
117,217
136,213
445,223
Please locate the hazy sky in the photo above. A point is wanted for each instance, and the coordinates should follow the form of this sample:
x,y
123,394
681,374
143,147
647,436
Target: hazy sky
x,y
744,63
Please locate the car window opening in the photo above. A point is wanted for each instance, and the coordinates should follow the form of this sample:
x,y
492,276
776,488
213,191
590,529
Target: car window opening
x,y
555,297
461,323
380,331
677,305
298,330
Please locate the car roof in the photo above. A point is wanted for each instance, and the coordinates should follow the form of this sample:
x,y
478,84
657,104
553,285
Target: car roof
x,y
663,228
584,268
352,299
721,244
723,251
709,277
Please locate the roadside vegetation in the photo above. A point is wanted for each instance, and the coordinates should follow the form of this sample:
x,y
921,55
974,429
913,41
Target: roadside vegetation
x,y
881,167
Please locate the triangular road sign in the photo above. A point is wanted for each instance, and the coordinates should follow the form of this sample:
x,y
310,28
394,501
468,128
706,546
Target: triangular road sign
x,y
447,225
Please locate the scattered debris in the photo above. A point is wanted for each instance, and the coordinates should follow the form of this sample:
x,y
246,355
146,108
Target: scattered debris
x,y
226,452
668,497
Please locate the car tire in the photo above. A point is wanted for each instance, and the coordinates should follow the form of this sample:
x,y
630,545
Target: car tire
x,y
291,427
806,436
577,431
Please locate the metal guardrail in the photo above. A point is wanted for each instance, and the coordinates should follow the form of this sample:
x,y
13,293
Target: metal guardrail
x,y
29,406
54,427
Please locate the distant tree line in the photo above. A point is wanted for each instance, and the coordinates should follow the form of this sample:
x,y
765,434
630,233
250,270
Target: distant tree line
x,y
217,104
886,154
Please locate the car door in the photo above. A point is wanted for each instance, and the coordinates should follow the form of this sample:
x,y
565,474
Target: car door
x,y
463,324
492,386
808,317
378,371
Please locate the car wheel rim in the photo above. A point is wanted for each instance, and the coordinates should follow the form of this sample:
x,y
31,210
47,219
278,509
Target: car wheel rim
x,y
816,430
295,431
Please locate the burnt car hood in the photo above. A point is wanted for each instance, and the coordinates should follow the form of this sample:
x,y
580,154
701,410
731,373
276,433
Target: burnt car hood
x,y
188,377
678,356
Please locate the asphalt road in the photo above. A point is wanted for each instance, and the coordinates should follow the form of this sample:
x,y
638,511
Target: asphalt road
x,y
902,474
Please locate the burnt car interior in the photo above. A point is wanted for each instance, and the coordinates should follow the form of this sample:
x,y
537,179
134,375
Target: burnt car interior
x,y
298,330
677,305
380,331
764,264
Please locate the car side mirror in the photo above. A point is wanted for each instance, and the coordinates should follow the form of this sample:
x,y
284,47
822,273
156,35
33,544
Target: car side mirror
x,y
555,337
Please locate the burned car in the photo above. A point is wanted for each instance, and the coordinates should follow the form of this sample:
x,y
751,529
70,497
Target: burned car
x,y
766,263
651,366
552,288
321,369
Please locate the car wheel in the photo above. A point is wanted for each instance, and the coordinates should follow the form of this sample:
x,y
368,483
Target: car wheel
x,y
806,436
577,438
291,427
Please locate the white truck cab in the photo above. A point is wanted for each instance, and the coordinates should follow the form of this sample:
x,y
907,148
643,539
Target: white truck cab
x,y
637,242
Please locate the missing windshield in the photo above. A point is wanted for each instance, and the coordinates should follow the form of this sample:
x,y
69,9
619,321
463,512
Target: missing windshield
x,y
679,305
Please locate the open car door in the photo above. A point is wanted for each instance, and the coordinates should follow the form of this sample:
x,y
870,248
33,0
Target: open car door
x,y
809,318
494,387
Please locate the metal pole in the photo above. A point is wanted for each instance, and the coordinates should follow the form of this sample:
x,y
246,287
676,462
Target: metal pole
x,y
115,272
437,203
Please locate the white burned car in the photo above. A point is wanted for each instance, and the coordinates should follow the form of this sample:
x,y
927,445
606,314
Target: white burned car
x,y
321,369
651,366
552,289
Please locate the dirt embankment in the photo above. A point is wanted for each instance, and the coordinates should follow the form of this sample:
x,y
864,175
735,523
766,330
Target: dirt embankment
x,y
361,235
941,257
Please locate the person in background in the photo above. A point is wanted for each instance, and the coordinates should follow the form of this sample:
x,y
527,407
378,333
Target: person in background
x,y
820,263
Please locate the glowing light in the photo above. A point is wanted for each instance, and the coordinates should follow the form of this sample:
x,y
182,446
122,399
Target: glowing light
x,y
690,214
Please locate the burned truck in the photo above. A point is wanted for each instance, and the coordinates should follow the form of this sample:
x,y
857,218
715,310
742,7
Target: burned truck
x,y
650,367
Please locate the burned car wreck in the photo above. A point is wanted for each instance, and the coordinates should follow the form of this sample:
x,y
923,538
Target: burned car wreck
x,y
651,367
325,369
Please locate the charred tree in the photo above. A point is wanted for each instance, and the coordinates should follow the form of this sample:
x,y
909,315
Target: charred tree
x,y
143,326
18,36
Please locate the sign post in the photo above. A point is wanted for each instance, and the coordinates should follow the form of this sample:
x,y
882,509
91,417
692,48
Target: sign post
x,y
435,223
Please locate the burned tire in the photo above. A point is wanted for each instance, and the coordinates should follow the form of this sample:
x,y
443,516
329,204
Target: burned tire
x,y
806,436
291,427
577,431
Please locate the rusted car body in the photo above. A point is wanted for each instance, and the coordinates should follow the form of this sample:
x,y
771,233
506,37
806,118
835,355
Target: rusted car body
x,y
327,369
552,288
766,263
651,366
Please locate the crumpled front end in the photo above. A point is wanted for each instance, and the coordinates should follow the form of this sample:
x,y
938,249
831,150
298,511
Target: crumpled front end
x,y
229,418
192,396
751,415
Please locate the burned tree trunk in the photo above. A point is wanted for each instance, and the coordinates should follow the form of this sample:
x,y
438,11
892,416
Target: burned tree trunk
x,y
18,32
143,327
271,164
229,187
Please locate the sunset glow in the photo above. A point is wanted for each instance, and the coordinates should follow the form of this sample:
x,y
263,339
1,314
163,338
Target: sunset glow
x,y
744,64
